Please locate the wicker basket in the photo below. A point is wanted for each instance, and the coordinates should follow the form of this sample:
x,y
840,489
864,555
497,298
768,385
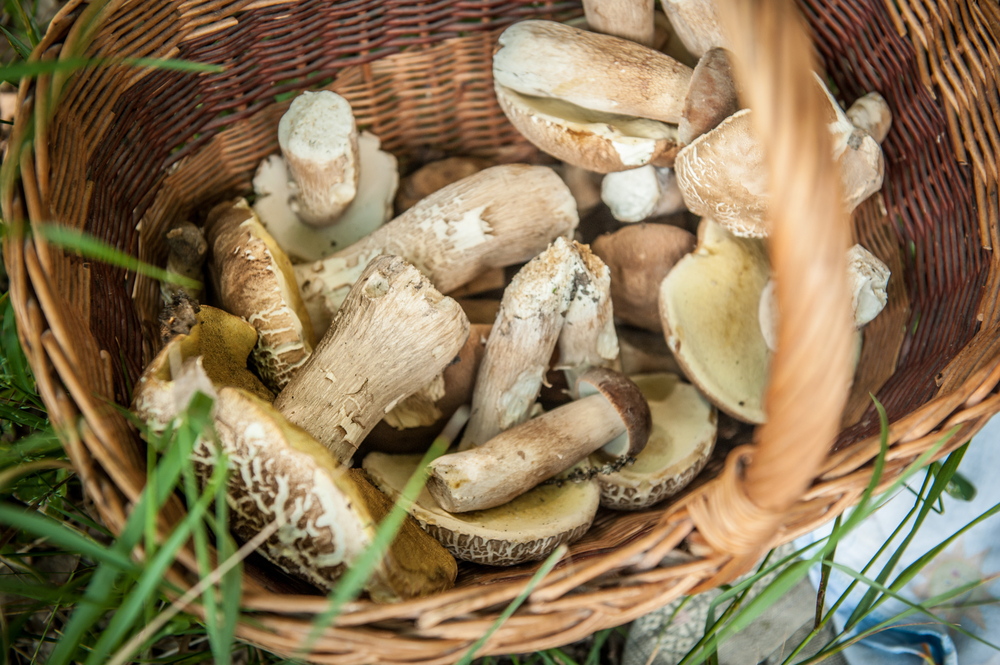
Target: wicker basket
x,y
126,151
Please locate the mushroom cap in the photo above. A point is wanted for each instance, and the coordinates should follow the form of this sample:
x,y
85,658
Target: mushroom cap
x,y
597,141
680,442
371,208
255,280
696,22
590,70
868,278
640,256
872,114
277,468
710,308
712,97
527,528
435,175
628,402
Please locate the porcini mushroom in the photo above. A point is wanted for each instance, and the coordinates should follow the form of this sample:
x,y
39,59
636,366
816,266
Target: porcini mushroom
x,y
431,177
639,258
370,208
628,19
327,518
680,442
709,308
186,256
393,336
525,529
254,280
319,141
696,22
611,415
637,194
600,102
498,217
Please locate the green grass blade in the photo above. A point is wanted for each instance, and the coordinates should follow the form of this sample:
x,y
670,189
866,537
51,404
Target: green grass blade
x,y
594,655
56,533
231,584
14,73
91,247
544,570
19,47
13,354
27,22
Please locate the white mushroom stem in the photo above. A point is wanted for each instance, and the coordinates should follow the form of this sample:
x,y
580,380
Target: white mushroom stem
x,y
613,414
638,194
588,338
370,209
319,141
696,22
868,279
628,19
394,335
871,113
521,343
498,217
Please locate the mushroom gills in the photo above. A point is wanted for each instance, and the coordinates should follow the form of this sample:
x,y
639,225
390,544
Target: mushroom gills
x,y
679,445
527,528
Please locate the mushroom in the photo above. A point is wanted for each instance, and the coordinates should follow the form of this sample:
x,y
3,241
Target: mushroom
x,y
639,258
219,344
611,415
327,518
680,443
696,22
393,336
412,425
498,217
604,103
525,529
370,208
638,194
186,256
254,280
433,176
628,19
709,309
722,175
520,345
319,141
868,279
871,113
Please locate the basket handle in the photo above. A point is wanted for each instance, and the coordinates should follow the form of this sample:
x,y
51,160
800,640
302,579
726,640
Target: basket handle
x,y
810,373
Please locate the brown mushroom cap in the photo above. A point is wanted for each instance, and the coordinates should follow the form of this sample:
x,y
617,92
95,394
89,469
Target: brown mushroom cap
x,y
628,403
433,176
680,443
711,98
525,529
639,257
710,308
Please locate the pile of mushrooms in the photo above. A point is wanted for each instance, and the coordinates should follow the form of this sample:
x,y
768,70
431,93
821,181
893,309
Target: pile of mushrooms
x,y
597,374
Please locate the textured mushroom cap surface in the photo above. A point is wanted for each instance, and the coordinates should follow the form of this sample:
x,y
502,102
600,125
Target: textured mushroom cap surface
x,y
710,308
525,529
712,97
278,469
639,257
597,141
255,280
593,71
680,443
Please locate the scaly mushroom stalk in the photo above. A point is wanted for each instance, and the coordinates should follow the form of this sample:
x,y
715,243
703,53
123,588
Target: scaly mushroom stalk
x,y
521,342
393,336
613,416
498,217
319,141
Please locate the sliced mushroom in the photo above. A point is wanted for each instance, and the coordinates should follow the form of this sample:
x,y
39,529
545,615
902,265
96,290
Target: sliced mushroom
x,y
526,529
611,415
370,208
319,141
709,305
393,336
639,257
680,442
327,518
254,280
498,217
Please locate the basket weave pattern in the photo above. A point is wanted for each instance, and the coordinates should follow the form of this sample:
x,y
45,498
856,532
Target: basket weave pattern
x,y
126,152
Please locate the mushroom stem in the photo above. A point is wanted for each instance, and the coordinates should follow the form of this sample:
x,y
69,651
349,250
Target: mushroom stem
x,y
628,19
520,458
393,336
319,141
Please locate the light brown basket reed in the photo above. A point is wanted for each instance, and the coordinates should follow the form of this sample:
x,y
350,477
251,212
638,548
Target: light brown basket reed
x,y
122,152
